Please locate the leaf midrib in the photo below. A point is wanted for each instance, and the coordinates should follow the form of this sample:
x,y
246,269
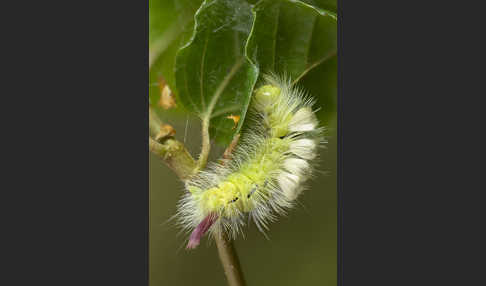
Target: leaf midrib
x,y
221,87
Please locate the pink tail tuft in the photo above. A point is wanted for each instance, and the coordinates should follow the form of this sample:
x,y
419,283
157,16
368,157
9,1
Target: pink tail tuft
x,y
200,230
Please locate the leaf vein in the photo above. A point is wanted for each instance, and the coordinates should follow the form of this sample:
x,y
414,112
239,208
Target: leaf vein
x,y
314,64
222,86
201,72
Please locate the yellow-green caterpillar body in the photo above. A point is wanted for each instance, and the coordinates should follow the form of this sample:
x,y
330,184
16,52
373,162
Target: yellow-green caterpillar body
x,y
273,159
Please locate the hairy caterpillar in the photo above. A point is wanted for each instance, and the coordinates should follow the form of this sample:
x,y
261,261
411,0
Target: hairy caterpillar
x,y
266,174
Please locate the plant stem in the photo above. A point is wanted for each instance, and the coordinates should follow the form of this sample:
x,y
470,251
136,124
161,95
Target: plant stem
x,y
181,162
206,144
175,156
172,151
229,260
226,251
154,123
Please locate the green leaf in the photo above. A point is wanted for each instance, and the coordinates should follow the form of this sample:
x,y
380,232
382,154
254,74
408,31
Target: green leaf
x,y
329,5
321,83
291,37
164,66
161,17
170,26
214,77
299,40
166,17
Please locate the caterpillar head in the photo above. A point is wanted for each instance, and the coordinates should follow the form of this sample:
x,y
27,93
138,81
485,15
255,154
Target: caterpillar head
x,y
265,97
268,100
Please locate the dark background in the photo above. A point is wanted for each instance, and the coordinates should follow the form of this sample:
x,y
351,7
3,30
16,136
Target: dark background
x,y
411,85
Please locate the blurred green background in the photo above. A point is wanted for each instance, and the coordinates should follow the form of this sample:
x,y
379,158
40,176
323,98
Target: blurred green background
x,y
302,249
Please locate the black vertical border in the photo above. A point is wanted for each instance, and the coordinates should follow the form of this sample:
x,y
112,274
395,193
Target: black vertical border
x,y
339,145
84,218
411,154
80,152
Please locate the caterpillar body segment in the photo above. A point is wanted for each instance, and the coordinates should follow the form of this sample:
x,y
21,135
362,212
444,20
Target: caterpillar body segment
x,y
267,171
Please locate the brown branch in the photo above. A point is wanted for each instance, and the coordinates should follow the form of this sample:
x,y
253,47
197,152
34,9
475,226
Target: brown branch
x,y
229,259
172,151
175,156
